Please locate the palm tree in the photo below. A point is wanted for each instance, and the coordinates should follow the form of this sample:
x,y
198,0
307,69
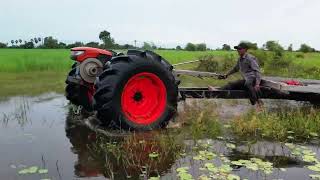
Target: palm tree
x,y
17,42
20,41
12,42
31,40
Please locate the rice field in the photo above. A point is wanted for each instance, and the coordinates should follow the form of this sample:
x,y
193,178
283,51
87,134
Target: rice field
x,y
57,60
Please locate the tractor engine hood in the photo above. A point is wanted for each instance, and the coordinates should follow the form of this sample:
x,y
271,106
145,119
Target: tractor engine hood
x,y
81,53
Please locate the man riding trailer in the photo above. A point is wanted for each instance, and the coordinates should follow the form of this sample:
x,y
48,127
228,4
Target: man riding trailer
x,y
250,71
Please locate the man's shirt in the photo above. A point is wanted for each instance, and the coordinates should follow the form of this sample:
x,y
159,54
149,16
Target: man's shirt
x,y
248,67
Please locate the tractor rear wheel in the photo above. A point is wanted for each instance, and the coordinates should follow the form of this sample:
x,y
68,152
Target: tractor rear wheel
x,y
137,92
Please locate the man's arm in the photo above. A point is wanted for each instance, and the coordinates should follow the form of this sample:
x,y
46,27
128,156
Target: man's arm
x,y
255,67
234,69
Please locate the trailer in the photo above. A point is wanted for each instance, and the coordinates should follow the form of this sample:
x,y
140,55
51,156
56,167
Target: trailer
x,y
271,88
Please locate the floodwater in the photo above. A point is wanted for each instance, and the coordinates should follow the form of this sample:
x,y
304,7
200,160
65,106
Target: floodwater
x,y
43,131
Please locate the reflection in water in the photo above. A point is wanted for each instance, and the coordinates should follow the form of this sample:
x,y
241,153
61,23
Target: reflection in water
x,y
19,113
137,155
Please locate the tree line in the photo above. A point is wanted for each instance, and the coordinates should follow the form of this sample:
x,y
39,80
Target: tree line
x,y
109,43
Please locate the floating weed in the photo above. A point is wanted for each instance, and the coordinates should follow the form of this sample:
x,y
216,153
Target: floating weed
x,y
233,177
153,155
154,178
204,177
30,170
231,146
227,126
290,137
183,154
220,137
314,134
183,173
283,169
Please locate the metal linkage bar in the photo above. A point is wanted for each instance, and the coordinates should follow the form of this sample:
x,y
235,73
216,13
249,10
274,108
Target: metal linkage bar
x,y
188,62
196,73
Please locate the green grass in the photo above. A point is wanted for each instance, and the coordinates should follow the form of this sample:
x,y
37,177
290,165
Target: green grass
x,y
283,125
309,60
30,60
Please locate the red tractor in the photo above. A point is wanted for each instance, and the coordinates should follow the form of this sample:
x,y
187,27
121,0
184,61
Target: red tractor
x,y
134,91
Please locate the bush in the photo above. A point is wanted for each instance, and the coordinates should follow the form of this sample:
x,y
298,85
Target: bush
x,y
306,48
212,63
262,56
190,47
3,45
299,55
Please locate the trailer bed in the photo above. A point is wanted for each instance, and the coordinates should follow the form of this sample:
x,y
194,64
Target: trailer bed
x,y
271,88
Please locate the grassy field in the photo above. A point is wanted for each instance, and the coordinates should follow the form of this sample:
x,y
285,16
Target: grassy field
x,y
31,60
57,60
24,71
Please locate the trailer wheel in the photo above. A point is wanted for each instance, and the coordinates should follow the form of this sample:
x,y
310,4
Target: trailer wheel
x,y
138,91
77,94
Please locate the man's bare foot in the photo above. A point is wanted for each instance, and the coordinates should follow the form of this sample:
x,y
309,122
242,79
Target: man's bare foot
x,y
259,106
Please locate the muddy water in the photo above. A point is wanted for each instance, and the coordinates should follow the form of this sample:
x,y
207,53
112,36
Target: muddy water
x,y
44,132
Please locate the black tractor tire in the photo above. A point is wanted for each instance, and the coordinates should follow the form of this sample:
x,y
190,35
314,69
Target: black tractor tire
x,y
112,83
77,94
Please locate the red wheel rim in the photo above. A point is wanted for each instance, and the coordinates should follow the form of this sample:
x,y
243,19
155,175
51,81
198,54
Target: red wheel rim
x,y
144,98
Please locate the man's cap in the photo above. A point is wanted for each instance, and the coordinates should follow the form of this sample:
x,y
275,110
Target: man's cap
x,y
242,45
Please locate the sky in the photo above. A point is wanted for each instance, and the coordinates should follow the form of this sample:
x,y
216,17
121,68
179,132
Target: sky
x,y
167,23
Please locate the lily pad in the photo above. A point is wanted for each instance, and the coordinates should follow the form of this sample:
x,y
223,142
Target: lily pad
x,y
314,168
309,158
237,163
225,168
315,176
43,171
183,169
30,170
